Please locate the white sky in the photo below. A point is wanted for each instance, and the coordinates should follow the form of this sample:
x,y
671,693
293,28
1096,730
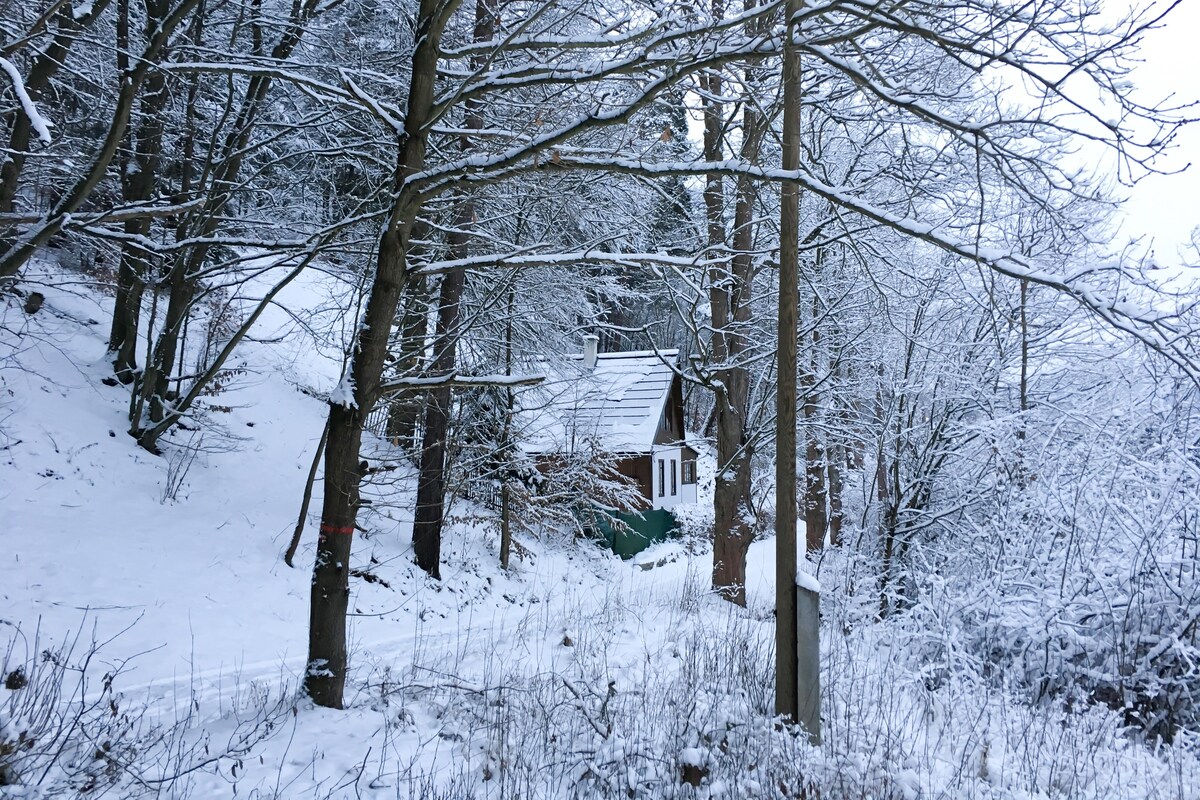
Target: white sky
x,y
1166,208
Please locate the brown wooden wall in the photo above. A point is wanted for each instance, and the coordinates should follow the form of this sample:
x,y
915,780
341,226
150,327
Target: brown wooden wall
x,y
640,470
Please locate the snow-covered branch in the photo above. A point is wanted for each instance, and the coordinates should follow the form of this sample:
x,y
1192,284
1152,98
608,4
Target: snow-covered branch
x,y
456,381
40,124
520,260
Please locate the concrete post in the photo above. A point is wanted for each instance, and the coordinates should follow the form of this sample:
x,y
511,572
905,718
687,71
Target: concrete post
x,y
808,668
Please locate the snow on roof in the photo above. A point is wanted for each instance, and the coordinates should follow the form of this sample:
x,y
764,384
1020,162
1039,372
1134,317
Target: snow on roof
x,y
617,405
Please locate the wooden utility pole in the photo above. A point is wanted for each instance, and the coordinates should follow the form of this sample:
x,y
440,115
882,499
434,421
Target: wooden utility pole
x,y
785,398
793,702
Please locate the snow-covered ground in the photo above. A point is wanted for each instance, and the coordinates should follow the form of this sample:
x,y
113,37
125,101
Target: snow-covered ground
x,y
575,675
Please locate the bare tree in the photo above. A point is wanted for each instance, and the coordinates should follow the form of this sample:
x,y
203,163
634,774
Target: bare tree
x,y
67,24
731,282
74,196
431,486
580,65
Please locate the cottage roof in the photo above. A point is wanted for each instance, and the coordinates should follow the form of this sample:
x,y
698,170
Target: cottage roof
x,y
617,404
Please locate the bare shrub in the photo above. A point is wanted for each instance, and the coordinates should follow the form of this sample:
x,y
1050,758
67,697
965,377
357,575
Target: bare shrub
x,y
65,729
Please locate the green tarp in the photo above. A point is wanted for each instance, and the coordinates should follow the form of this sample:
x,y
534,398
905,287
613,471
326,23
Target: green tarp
x,y
644,529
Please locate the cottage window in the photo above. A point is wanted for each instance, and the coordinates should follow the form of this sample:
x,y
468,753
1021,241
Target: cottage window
x,y
689,472
674,476
662,478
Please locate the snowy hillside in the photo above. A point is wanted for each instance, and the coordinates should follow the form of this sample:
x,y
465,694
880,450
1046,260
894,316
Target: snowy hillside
x,y
577,675
344,344
172,566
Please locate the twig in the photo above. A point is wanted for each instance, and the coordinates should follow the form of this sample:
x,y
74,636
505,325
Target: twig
x,y
308,487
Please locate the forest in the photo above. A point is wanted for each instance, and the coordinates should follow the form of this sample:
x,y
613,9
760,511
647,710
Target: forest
x,y
345,344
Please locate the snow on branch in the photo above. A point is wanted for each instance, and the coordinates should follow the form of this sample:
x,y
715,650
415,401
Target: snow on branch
x,y
375,105
112,216
522,260
1155,330
40,124
352,96
659,33
663,65
457,381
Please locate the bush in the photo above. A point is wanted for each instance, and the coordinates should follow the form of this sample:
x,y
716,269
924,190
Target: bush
x,y
65,730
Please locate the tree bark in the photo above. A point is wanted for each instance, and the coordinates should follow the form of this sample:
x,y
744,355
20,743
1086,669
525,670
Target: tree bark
x,y
325,677
833,467
506,440
405,411
787,698
816,520
137,186
729,302
431,485
883,500
837,456
505,526
1022,470
156,386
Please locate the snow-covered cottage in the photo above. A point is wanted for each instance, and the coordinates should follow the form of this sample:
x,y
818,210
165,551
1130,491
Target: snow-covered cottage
x,y
630,405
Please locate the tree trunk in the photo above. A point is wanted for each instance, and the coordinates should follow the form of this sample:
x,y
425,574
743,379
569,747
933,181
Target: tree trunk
x,y
405,411
727,577
431,485
837,455
505,526
325,677
888,525
138,186
816,520
816,516
127,305
730,292
307,498
204,223
506,439
157,380
884,501
1023,474
836,458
